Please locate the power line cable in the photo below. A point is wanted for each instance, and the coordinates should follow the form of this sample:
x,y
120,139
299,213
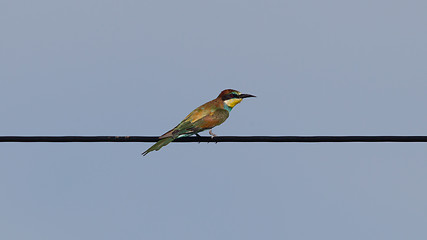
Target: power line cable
x,y
307,139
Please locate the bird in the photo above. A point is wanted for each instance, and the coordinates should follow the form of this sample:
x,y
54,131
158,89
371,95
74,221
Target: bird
x,y
205,117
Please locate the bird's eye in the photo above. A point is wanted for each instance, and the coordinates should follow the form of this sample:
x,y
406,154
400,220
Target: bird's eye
x,y
230,96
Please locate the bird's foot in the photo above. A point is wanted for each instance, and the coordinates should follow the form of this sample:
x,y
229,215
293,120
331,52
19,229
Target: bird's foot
x,y
212,134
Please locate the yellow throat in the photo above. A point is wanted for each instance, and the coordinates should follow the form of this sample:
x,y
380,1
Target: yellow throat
x,y
232,102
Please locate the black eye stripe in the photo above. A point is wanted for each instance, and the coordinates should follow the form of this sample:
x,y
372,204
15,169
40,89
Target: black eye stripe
x,y
230,96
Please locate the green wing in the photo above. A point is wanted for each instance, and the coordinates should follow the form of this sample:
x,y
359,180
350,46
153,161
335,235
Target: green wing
x,y
188,127
197,121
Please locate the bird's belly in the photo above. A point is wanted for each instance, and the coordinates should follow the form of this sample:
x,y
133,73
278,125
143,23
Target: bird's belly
x,y
212,121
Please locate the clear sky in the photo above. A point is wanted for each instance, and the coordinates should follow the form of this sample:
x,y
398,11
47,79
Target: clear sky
x,y
139,67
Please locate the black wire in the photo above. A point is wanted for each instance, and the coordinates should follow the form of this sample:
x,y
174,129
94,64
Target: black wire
x,y
216,139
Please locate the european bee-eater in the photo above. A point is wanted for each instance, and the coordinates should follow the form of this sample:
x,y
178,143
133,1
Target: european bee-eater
x,y
207,116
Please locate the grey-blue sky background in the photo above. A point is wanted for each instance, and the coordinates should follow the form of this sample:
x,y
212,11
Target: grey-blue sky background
x,y
138,67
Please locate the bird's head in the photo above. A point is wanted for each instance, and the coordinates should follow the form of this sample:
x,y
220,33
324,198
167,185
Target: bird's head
x,y
232,97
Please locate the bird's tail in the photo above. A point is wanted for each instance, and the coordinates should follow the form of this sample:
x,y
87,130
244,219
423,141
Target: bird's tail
x,y
159,144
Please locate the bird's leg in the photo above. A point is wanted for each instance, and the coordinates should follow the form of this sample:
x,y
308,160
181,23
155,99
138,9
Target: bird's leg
x,y
212,134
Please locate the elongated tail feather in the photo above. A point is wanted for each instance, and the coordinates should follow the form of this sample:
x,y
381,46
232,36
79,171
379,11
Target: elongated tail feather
x,y
159,144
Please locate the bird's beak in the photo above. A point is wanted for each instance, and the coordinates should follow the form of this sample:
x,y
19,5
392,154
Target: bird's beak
x,y
245,95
